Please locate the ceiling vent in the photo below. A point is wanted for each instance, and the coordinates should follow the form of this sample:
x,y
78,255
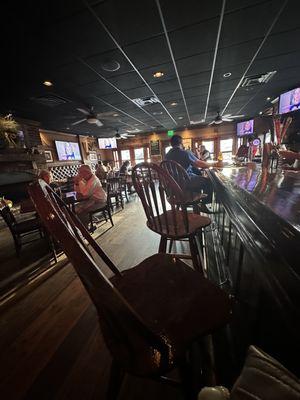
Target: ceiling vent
x,y
255,80
146,101
50,100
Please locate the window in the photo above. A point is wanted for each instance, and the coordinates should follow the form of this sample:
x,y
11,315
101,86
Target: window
x,y
210,146
139,155
125,155
226,148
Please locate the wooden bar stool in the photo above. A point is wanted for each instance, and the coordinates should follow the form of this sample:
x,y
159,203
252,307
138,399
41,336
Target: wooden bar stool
x,y
149,314
180,175
166,211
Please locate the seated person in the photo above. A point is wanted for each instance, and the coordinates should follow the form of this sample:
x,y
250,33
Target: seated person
x,y
46,176
124,170
101,171
88,188
188,160
107,166
202,153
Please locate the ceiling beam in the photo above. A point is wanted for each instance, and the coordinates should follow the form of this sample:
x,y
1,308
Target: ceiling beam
x,y
215,57
172,57
255,54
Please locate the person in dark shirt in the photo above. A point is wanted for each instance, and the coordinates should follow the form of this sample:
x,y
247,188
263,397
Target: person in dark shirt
x,y
124,168
188,160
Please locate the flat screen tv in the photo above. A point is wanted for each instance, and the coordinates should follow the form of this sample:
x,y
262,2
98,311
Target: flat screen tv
x,y
289,101
245,128
67,151
107,143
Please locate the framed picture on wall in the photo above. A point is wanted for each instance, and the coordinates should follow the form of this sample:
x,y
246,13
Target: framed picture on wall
x,y
93,157
154,148
48,156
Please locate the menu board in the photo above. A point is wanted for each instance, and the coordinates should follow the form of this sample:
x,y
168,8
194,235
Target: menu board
x,y
154,148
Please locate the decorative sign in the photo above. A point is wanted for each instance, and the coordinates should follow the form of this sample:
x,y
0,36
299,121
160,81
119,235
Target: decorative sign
x,y
256,142
154,148
93,156
48,156
170,133
145,101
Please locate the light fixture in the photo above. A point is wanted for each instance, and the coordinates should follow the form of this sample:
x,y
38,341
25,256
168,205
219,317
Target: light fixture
x,y
47,83
260,113
227,75
180,117
174,104
268,98
115,115
157,113
158,74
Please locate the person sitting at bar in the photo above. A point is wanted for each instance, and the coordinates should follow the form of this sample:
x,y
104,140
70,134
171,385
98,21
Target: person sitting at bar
x,y
202,153
101,171
46,176
188,160
124,170
89,193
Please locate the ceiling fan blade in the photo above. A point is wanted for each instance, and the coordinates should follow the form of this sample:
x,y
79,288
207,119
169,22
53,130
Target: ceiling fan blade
x,y
99,123
78,122
83,111
237,116
227,119
211,123
129,135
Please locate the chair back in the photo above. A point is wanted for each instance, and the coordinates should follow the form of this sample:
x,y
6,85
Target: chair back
x,y
161,197
177,172
8,217
124,331
115,185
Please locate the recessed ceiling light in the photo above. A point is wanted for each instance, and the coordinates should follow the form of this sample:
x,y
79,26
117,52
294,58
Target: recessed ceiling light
x,y
47,83
158,74
68,127
180,117
174,104
157,113
110,65
115,115
268,98
260,112
227,75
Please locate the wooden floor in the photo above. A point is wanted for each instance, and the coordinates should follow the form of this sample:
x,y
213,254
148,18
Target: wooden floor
x,y
50,343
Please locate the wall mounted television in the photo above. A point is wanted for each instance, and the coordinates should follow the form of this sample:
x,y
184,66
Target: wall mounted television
x,y
289,101
245,128
67,151
107,143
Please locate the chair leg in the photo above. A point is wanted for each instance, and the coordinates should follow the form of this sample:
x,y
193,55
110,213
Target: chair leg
x,y
162,245
195,255
109,215
122,201
104,215
115,381
171,245
91,222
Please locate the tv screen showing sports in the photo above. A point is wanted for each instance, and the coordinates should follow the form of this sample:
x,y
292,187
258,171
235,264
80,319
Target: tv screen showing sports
x,y
67,151
245,128
289,101
107,143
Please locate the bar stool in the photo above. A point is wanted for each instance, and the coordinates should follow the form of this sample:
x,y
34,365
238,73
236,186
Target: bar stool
x,y
164,205
180,175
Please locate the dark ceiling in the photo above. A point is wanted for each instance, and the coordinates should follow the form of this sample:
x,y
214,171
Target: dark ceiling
x,y
67,42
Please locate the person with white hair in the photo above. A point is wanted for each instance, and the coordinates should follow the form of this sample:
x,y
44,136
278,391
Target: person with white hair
x,y
90,193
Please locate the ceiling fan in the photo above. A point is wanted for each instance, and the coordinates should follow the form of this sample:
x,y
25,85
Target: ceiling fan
x,y
91,117
123,135
227,118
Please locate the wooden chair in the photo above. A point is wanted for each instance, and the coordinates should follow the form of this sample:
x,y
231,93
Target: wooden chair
x,y
182,178
19,230
166,210
105,209
145,326
115,192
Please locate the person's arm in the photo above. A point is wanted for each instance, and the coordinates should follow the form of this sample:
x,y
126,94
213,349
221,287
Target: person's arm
x,y
200,164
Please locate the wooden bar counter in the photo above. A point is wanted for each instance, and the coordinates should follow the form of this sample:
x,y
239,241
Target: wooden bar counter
x,y
257,239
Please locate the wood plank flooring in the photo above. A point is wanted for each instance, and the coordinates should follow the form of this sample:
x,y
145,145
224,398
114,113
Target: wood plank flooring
x,y
50,342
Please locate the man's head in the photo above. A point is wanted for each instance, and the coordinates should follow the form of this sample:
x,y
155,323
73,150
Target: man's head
x,y
85,172
46,176
176,141
202,148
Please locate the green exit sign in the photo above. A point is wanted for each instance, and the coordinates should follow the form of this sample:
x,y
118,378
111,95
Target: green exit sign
x,y
170,133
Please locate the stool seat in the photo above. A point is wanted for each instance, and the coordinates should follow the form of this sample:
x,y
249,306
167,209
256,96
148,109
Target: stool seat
x,y
175,227
166,292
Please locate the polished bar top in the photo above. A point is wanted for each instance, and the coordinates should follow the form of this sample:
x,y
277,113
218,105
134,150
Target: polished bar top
x,y
278,190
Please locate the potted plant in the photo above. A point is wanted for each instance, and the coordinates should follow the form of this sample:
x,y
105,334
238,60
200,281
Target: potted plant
x,y
8,132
